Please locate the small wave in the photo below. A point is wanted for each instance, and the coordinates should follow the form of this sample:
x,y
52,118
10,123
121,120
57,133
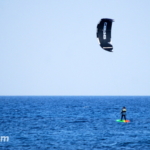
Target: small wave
x,y
78,121
109,143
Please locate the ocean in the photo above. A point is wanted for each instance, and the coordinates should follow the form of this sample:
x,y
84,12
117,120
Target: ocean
x,y
74,123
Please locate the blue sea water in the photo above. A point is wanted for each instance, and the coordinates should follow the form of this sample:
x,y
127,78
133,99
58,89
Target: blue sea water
x,y
74,123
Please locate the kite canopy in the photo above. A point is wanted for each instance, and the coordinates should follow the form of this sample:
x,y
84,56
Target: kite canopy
x,y
104,34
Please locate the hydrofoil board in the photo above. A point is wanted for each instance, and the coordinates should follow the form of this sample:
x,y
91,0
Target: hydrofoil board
x,y
122,120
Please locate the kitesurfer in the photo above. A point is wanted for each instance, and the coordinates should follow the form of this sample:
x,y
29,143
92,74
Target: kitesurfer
x,y
123,113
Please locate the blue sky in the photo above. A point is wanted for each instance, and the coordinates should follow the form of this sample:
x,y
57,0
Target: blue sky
x,y
49,47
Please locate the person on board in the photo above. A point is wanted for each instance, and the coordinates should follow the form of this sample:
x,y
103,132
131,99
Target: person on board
x,y
123,113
